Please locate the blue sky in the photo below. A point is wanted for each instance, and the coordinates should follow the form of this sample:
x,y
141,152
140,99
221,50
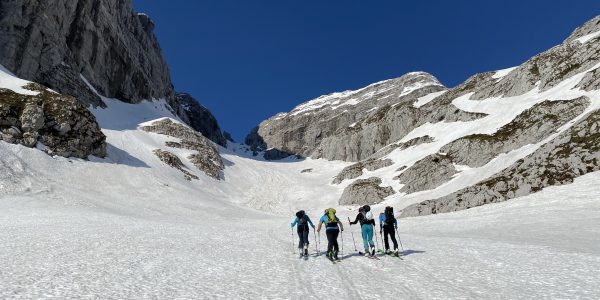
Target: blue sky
x,y
248,60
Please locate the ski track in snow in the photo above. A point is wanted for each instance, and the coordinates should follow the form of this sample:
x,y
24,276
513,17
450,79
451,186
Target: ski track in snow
x,y
130,227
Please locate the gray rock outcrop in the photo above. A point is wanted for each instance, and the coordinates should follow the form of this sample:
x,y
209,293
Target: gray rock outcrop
x,y
365,191
59,122
529,127
199,118
356,170
428,173
206,157
571,154
174,161
401,146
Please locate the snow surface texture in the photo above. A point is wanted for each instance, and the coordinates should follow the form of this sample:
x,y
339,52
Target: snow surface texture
x,y
138,230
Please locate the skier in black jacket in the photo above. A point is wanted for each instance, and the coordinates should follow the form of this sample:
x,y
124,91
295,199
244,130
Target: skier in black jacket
x,y
367,226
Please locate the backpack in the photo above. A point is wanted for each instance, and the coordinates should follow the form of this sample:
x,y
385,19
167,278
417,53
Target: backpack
x,y
368,215
330,213
389,215
301,218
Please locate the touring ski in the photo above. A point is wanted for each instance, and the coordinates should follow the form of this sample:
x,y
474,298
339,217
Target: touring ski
x,y
368,256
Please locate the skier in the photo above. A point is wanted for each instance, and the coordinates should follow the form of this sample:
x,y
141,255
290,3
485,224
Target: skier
x,y
333,226
303,221
367,226
389,225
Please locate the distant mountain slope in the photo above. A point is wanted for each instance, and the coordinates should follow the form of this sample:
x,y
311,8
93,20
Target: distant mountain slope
x,y
497,136
324,127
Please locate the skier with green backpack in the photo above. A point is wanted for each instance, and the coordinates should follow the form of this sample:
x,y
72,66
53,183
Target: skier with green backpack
x,y
388,224
303,221
333,226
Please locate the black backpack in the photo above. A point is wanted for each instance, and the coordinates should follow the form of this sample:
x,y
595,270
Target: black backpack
x,y
301,219
389,215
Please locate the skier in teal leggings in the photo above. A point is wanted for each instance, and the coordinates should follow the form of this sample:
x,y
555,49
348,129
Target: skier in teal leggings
x,y
367,224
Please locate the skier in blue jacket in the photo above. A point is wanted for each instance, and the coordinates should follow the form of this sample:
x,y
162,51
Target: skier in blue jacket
x,y
388,224
303,221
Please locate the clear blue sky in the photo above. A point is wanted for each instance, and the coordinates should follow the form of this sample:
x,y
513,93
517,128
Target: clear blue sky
x,y
247,60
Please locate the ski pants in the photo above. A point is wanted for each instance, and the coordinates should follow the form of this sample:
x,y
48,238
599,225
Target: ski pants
x,y
367,236
389,230
332,243
303,236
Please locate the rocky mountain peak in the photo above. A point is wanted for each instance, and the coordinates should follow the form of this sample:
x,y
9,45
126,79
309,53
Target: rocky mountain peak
x,y
400,86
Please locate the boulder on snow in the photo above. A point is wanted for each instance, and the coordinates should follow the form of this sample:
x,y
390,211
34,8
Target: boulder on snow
x,y
365,191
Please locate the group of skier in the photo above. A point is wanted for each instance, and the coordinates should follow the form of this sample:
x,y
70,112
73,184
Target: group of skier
x,y
333,226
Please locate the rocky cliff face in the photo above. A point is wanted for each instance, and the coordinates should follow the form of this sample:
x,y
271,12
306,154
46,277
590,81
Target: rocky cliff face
x,y
53,42
63,43
344,125
199,118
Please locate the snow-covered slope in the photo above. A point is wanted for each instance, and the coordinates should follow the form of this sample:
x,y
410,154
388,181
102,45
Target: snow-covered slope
x,y
131,227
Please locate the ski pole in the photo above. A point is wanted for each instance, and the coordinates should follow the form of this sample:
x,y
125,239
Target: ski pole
x,y
399,240
316,245
352,233
375,234
342,243
292,229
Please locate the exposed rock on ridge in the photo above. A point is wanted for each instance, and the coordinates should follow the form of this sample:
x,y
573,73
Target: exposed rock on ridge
x,y
206,158
199,118
529,127
573,153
